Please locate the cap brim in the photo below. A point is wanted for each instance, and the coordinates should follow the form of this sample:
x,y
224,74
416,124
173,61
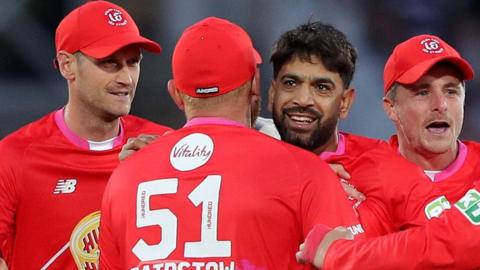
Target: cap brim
x,y
109,45
412,75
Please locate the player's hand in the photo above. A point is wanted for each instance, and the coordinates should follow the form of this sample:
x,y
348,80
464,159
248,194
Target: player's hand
x,y
134,144
318,240
3,265
340,171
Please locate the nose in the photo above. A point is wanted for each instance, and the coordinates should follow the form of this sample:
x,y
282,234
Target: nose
x,y
125,76
439,101
303,96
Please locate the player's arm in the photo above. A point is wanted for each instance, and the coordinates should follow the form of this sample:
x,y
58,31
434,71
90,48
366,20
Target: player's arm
x,y
451,241
109,253
9,163
3,265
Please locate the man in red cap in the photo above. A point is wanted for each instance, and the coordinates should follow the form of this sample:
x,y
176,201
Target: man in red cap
x,y
197,197
54,170
424,83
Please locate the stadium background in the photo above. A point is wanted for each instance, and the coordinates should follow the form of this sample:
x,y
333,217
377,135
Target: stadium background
x,y
30,87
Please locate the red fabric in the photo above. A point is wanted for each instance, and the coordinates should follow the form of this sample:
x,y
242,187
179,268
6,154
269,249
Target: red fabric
x,y
313,240
396,189
268,196
36,161
449,242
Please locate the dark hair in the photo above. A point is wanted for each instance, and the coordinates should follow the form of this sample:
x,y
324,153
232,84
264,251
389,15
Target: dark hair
x,y
316,39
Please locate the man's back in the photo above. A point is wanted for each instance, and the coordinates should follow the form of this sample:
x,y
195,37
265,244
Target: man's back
x,y
50,194
222,196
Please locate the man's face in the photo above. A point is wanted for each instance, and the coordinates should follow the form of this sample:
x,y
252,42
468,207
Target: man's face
x,y
306,101
428,114
106,87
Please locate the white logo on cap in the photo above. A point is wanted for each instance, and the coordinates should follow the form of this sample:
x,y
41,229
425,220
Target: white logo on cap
x,y
431,45
191,152
115,17
210,90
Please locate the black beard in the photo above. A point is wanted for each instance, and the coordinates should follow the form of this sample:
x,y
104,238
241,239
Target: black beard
x,y
320,135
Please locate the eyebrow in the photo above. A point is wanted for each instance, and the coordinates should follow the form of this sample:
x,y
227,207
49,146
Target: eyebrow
x,y
315,79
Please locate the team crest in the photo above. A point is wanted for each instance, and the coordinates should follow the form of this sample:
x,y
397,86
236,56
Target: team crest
x,y
469,206
115,17
191,152
431,46
84,242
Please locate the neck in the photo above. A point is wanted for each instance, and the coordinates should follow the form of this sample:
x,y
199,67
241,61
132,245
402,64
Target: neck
x,y
89,126
330,146
427,160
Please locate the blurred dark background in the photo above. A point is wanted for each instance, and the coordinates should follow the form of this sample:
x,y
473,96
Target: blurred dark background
x,y
30,87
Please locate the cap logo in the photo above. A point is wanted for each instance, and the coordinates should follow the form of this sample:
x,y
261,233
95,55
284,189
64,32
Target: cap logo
x,y
115,17
191,152
209,90
431,46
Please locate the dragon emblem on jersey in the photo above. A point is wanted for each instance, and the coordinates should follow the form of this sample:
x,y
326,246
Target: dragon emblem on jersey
x,y
84,242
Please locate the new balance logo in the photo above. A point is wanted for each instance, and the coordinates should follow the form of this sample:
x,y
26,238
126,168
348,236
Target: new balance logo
x,y
65,186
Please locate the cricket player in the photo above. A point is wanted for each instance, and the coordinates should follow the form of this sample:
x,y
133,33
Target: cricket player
x,y
216,194
53,171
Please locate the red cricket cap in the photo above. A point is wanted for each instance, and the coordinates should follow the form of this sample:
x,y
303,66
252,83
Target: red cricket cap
x,y
213,57
412,58
99,29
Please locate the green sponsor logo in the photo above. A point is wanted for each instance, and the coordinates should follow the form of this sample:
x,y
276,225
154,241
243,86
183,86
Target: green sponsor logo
x,y
436,207
469,206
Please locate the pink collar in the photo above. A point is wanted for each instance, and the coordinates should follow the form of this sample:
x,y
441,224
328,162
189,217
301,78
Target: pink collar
x,y
340,149
454,166
212,120
74,138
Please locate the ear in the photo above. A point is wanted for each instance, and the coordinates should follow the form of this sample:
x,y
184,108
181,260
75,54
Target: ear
x,y
66,64
348,97
388,107
271,95
256,84
175,94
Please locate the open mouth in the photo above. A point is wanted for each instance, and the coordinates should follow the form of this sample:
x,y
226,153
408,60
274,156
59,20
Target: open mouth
x,y
119,93
303,119
438,127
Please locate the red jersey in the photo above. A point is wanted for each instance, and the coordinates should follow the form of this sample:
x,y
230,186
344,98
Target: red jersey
x,y
216,196
397,191
449,242
50,194
458,177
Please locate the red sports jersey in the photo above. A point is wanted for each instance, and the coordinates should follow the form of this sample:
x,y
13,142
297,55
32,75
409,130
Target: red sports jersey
x,y
449,242
216,196
458,177
397,191
50,195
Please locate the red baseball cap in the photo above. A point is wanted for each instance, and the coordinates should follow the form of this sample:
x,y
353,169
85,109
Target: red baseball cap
x,y
213,57
412,58
98,29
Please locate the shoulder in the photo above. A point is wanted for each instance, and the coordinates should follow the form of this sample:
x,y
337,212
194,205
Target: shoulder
x,y
356,144
37,131
135,125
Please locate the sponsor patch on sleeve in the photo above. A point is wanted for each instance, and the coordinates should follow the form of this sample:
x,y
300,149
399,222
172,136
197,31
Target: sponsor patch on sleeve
x,y
469,206
436,207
